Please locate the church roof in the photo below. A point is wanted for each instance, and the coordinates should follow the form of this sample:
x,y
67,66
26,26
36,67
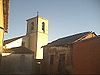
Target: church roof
x,y
36,17
20,50
31,18
13,39
69,39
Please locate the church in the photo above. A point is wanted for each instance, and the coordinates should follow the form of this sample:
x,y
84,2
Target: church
x,y
67,55
36,37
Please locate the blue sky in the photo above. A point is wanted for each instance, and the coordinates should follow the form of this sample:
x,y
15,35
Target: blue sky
x,y
66,17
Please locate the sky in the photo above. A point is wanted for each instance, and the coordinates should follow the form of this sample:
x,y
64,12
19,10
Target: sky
x,y
66,17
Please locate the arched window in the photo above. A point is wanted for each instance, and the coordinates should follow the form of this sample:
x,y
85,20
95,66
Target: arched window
x,y
23,43
32,26
43,26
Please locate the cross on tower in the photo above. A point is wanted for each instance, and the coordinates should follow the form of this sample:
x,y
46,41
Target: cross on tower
x,y
37,13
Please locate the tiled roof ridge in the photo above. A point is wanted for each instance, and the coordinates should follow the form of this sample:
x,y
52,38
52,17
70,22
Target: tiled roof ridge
x,y
73,35
82,34
20,50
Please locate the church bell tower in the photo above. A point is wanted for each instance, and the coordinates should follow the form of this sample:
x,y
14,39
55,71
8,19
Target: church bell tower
x,y
37,32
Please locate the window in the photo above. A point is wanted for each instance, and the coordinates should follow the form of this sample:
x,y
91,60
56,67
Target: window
x,y
32,27
32,23
23,43
43,26
61,64
51,59
62,58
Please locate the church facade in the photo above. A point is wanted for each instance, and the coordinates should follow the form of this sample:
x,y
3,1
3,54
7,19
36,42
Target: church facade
x,y
36,37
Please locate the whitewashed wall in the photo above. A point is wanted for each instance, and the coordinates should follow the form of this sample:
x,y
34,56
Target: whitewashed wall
x,y
15,43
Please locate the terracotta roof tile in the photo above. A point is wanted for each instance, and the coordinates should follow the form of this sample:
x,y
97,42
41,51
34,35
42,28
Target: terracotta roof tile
x,y
21,50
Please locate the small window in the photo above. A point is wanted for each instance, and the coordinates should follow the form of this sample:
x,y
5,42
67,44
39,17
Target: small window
x,y
51,59
32,23
32,27
23,43
43,26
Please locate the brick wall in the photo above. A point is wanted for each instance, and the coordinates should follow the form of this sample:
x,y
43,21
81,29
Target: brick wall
x,y
86,56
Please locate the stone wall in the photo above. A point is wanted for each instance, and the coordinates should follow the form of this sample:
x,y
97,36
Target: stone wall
x,y
17,64
60,54
86,56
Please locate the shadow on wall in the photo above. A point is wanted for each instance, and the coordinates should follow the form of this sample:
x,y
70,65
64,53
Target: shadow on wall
x,y
0,59
23,65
